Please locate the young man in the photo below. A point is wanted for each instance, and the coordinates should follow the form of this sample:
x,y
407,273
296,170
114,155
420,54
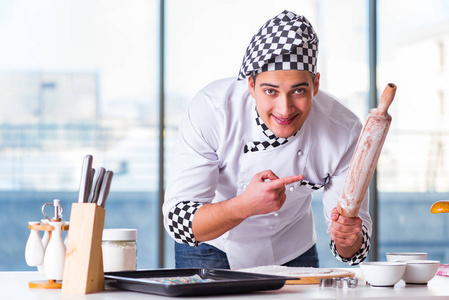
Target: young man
x,y
249,155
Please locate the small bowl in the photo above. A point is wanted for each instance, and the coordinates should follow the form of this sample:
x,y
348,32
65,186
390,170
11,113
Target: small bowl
x,y
420,271
382,273
406,256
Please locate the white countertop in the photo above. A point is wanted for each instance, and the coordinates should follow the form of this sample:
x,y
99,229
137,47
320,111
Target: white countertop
x,y
14,285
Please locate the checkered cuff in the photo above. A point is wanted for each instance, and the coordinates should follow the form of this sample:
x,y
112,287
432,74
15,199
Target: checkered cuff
x,y
180,219
360,255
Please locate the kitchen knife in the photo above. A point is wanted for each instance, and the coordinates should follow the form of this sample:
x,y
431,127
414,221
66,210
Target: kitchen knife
x,y
97,186
89,185
85,177
104,191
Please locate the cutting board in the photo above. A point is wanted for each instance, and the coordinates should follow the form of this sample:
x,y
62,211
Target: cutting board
x,y
304,275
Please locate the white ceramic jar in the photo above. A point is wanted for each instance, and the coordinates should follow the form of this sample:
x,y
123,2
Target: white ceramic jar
x,y
54,257
119,248
34,251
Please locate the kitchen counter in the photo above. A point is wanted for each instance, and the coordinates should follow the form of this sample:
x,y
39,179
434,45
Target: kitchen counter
x,y
14,285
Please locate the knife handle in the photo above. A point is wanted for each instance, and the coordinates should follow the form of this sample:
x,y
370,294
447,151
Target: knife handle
x,y
85,177
97,187
105,185
91,177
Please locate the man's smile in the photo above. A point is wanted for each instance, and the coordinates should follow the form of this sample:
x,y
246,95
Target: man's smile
x,y
284,121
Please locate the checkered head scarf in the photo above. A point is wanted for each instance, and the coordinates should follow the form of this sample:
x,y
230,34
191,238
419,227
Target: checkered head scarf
x,y
286,42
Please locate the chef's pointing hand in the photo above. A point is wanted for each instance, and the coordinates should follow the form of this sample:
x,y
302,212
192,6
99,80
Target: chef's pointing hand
x,y
266,192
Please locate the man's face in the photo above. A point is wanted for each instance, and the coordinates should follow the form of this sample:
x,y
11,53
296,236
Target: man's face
x,y
284,99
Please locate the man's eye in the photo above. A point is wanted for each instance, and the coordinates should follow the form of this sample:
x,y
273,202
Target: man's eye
x,y
269,92
299,91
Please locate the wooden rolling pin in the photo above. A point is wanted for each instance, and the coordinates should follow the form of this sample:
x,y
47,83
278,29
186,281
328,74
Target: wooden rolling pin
x,y
366,154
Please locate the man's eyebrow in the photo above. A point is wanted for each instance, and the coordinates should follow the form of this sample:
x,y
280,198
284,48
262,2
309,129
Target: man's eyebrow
x,y
300,84
293,86
269,84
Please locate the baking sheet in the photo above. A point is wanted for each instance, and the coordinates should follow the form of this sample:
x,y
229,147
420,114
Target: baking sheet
x,y
184,282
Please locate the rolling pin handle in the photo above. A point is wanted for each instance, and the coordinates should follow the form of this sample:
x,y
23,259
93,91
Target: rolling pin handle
x,y
386,99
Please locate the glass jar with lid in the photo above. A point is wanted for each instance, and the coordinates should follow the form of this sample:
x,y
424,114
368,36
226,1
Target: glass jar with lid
x,y
119,248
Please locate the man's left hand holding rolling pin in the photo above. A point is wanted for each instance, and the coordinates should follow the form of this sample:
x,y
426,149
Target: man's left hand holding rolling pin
x,y
249,155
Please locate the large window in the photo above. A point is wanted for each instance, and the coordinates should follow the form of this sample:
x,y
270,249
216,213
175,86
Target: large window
x,y
83,77
77,78
414,166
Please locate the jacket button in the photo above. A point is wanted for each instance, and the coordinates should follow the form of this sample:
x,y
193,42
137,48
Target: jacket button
x,y
276,214
299,153
291,189
245,186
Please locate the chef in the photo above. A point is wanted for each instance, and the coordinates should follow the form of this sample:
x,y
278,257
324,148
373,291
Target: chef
x,y
250,153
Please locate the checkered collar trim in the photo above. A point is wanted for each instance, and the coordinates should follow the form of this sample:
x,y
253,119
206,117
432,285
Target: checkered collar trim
x,y
273,140
286,42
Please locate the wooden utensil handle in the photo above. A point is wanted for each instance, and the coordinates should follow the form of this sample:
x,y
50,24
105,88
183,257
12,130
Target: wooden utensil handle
x,y
386,99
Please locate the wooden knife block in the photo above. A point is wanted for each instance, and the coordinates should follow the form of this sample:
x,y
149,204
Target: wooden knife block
x,y
83,267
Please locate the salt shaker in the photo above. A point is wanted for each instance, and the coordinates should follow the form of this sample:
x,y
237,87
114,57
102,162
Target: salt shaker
x,y
45,240
34,251
55,253
119,248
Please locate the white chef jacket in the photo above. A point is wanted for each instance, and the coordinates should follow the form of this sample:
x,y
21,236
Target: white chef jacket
x,y
209,166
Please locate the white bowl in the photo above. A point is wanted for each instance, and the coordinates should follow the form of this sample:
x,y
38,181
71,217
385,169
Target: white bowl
x,y
420,271
383,273
406,256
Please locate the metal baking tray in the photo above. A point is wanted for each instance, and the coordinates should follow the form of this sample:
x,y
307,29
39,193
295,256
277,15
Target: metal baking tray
x,y
213,282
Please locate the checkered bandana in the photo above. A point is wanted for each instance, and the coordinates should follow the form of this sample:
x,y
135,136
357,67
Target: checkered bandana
x,y
286,42
273,141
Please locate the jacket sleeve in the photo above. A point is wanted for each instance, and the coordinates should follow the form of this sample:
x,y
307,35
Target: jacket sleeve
x,y
194,168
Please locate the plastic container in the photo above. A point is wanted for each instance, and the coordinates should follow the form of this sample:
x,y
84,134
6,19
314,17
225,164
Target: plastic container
x,y
119,248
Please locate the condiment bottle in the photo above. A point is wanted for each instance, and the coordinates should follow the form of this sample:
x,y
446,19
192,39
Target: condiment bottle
x,y
119,248
45,239
34,251
55,253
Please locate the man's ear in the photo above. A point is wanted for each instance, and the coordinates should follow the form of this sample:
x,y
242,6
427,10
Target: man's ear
x,y
316,84
251,86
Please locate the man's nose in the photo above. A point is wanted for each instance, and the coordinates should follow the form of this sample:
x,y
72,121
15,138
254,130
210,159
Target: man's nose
x,y
285,105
